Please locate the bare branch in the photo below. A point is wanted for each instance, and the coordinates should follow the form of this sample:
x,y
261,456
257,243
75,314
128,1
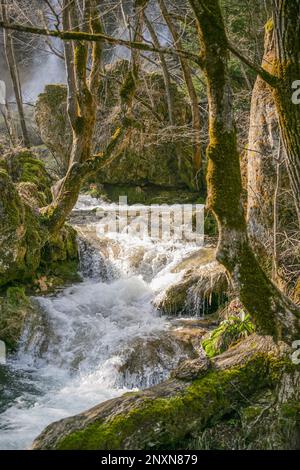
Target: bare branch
x,y
272,80
92,37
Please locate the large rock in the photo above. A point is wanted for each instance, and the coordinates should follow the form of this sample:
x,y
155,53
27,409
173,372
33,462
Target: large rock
x,y
52,120
149,156
202,289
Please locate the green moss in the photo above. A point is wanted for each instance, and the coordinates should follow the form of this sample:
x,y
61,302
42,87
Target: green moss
x,y
251,412
61,246
24,166
210,224
224,180
291,410
80,58
55,276
269,26
31,195
10,209
59,260
16,296
15,306
53,94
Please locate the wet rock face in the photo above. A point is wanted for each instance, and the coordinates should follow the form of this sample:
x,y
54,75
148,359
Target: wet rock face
x,y
147,158
148,361
203,288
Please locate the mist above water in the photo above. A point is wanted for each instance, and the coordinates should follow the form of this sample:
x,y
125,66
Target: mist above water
x,y
44,71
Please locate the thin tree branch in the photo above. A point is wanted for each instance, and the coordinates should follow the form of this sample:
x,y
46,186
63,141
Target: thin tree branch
x,y
83,36
272,80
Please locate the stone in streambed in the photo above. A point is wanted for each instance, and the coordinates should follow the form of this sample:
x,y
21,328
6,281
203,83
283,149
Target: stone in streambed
x,y
192,369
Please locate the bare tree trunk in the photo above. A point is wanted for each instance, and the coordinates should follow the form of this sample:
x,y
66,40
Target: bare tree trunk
x,y
190,87
263,143
286,14
14,74
165,71
271,310
276,220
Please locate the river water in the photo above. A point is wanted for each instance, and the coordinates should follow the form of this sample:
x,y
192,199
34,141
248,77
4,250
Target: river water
x,y
73,350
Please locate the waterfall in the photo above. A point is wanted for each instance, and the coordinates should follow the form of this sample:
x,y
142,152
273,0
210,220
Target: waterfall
x,y
94,340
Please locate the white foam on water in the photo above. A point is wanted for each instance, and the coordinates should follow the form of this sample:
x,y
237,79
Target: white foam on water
x,y
69,357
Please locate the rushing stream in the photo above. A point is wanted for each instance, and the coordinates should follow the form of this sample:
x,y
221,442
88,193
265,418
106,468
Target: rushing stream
x,y
73,352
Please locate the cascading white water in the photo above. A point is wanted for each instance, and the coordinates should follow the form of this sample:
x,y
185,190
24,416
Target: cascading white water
x,y
72,352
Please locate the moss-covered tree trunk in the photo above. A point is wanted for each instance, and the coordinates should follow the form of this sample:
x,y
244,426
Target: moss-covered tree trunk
x,y
272,311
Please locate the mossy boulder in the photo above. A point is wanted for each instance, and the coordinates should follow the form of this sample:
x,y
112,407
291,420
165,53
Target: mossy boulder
x,y
24,166
61,246
59,262
149,155
24,240
15,307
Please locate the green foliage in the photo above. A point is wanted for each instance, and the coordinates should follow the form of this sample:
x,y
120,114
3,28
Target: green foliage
x,y
228,332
